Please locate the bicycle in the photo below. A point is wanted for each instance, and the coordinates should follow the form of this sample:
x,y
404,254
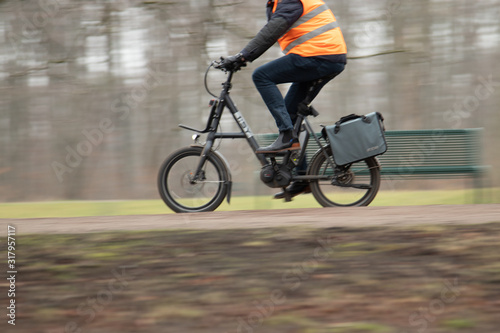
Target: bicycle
x,y
197,178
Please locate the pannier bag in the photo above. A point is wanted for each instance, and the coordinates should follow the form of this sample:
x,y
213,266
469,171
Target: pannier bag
x,y
354,138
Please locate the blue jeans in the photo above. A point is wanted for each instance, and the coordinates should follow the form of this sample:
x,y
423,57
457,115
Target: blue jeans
x,y
301,71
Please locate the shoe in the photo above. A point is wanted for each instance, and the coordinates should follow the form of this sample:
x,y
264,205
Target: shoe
x,y
295,189
285,141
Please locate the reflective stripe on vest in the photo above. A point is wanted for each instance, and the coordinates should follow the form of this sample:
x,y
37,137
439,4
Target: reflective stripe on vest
x,y
308,16
318,23
310,35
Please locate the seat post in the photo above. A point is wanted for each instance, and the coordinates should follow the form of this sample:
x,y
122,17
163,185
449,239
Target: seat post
x,y
298,124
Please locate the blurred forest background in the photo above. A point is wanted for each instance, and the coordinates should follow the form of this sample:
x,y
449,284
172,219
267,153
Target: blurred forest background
x,y
92,92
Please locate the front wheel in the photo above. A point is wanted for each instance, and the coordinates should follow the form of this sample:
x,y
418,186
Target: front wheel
x,y
182,192
356,185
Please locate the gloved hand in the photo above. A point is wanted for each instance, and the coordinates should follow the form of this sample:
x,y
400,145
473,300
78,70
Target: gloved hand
x,y
233,63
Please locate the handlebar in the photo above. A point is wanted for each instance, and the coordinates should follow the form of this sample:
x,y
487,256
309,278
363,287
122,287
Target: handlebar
x,y
219,64
229,67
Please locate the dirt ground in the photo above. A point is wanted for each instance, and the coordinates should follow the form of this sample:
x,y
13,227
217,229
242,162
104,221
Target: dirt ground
x,y
314,217
374,269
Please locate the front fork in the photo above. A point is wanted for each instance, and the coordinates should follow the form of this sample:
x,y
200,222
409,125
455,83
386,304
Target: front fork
x,y
212,125
199,174
204,155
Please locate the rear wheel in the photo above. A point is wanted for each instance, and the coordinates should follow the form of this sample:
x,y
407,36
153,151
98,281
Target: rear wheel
x,y
354,185
179,189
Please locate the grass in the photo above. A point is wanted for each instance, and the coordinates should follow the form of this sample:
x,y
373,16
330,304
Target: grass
x,y
458,323
149,207
360,327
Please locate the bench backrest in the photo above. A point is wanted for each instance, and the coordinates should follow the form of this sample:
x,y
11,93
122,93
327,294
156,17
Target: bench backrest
x,y
433,148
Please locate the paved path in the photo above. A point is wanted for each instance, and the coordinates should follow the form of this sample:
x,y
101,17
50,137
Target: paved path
x,y
313,217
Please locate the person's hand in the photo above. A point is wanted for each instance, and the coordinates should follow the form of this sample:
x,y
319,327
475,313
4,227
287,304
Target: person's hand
x,y
232,63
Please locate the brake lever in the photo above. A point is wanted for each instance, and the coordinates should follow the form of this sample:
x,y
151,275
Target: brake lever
x,y
217,64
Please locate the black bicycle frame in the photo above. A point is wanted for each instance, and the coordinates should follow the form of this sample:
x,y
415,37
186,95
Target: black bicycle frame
x,y
218,106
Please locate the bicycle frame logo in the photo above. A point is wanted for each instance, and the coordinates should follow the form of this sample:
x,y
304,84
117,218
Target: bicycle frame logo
x,y
244,127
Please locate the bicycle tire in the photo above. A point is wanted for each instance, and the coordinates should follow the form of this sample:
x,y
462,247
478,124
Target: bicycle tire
x,y
331,195
183,196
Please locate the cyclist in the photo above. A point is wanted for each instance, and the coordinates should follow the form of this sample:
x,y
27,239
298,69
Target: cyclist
x,y
314,47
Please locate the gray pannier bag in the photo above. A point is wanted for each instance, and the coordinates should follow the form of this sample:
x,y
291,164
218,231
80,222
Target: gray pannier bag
x,y
354,138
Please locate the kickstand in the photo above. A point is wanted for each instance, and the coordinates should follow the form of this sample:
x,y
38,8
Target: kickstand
x,y
287,197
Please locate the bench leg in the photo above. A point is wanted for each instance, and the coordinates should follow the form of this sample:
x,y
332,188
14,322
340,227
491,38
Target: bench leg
x,y
478,189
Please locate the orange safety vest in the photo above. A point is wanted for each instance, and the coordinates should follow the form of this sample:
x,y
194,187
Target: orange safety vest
x,y
315,33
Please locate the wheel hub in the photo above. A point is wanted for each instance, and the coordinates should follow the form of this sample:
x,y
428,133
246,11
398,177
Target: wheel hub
x,y
344,178
190,184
